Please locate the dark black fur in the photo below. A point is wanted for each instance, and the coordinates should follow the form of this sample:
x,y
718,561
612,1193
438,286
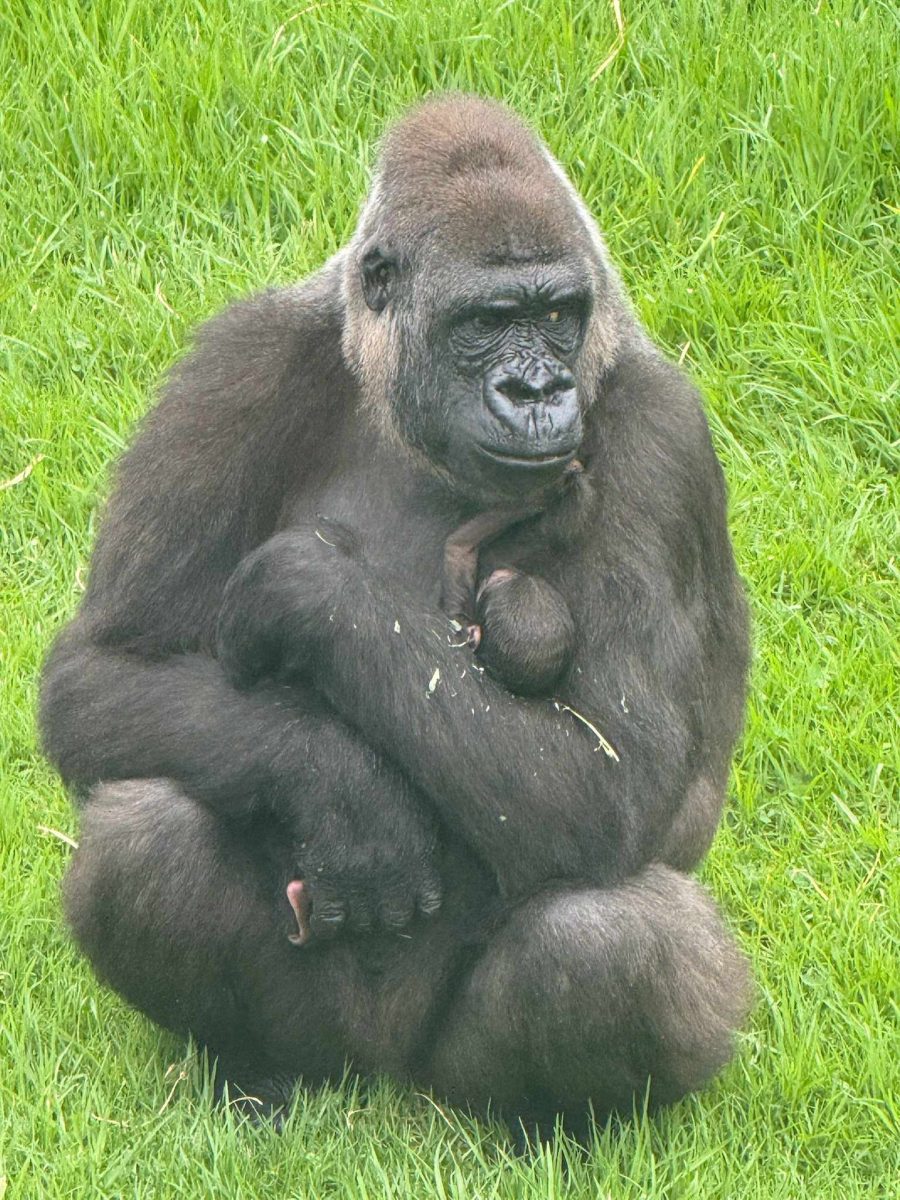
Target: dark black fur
x,y
260,684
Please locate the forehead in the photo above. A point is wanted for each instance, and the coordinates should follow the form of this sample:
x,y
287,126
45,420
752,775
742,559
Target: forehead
x,y
508,220
455,287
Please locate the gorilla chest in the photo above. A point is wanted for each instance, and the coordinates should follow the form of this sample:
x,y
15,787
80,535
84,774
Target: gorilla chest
x,y
402,519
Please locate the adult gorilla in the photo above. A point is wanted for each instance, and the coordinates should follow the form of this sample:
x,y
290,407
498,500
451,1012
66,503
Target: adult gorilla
x,y
262,682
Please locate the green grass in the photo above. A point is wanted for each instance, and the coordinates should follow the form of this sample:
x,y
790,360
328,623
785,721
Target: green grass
x,y
160,158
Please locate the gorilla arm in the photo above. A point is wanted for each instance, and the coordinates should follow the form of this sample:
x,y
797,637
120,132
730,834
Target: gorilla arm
x,y
131,688
353,827
521,781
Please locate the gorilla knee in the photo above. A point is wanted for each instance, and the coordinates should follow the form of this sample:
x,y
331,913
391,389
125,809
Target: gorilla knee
x,y
652,982
145,896
140,841
597,995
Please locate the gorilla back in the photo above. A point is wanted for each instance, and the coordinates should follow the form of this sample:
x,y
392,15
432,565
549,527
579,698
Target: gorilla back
x,y
313,831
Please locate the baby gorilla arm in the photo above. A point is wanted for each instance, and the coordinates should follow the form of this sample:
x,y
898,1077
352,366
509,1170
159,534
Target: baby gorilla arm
x,y
519,625
460,570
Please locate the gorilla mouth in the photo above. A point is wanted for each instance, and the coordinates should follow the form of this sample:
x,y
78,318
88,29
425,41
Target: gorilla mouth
x,y
527,461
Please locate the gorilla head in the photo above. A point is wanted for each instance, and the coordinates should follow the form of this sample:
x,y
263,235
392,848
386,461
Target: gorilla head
x,y
480,303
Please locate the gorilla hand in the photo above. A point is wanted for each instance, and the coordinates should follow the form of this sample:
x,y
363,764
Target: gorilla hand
x,y
325,905
362,842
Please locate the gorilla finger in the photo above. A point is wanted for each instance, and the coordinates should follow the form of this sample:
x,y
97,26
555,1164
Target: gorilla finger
x,y
328,915
396,910
354,889
360,918
431,897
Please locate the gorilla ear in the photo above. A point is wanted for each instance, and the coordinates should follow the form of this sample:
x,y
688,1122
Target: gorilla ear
x,y
378,269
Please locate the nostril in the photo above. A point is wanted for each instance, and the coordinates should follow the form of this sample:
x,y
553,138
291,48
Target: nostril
x,y
517,390
559,386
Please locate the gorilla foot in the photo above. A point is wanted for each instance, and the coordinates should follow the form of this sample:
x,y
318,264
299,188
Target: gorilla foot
x,y
262,1100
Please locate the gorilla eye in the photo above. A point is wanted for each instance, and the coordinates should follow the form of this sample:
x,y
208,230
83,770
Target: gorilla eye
x,y
567,326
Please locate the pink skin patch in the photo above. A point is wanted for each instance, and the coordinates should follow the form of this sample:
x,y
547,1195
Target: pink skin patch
x,y
501,575
496,577
299,902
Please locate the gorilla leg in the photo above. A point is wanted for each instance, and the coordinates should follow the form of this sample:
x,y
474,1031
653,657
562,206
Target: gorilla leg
x,y
176,915
587,995
187,918
581,995
145,896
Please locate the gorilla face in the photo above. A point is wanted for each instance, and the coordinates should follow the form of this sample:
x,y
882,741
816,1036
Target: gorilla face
x,y
510,357
488,386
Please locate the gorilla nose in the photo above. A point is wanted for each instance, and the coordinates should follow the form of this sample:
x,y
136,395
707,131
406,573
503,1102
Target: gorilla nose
x,y
537,405
541,382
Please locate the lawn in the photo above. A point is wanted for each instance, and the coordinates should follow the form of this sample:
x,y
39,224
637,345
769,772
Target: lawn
x,y
158,159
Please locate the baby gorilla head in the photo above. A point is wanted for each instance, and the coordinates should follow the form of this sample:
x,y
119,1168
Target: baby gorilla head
x,y
527,635
519,625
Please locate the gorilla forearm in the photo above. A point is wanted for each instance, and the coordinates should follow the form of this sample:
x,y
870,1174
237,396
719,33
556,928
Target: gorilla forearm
x,y
353,827
182,719
521,781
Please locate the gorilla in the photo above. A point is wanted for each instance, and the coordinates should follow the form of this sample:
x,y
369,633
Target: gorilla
x,y
315,831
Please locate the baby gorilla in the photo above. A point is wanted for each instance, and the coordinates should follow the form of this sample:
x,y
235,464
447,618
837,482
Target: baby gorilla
x,y
518,624
523,631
